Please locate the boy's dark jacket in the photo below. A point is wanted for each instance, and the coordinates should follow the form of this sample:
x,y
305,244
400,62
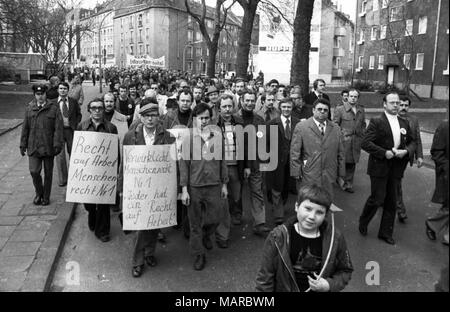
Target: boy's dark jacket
x,y
276,273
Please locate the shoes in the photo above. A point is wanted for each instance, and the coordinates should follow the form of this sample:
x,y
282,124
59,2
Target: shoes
x,y
261,230
402,217
388,240
62,184
222,243
151,261
161,237
207,242
137,270
199,263
430,233
45,202
349,190
37,200
362,230
236,220
104,238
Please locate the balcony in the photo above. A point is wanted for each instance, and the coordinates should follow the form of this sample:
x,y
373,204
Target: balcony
x,y
338,52
340,31
337,72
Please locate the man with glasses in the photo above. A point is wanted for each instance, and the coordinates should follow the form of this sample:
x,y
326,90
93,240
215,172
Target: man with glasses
x,y
389,142
98,214
42,140
317,152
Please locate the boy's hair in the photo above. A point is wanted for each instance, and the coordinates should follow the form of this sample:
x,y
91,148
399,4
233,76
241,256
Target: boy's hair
x,y
315,194
200,109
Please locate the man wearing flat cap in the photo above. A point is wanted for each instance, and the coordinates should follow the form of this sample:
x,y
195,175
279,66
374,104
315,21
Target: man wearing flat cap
x,y
42,140
213,95
148,132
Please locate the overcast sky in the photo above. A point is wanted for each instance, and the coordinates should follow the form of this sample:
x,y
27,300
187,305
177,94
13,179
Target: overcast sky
x,y
348,6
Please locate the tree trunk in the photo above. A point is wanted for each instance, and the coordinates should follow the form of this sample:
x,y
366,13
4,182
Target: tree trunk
x,y
211,72
302,45
245,37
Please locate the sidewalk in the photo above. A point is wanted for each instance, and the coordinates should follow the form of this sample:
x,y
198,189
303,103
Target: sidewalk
x,y
31,236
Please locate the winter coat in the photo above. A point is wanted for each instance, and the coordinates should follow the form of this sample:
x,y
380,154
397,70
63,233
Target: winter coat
x,y
317,159
276,273
42,130
439,153
415,133
353,128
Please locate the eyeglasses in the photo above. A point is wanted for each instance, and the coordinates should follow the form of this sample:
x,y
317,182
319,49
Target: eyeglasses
x,y
97,108
325,110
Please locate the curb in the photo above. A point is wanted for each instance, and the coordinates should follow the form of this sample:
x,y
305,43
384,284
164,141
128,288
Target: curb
x,y
42,270
10,129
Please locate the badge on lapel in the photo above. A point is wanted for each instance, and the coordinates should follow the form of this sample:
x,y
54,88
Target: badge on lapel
x,y
403,131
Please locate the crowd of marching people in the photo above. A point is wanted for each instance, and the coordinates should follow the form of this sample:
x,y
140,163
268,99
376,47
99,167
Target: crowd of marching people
x,y
317,146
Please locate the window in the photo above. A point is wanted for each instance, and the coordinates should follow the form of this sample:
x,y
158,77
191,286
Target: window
x,y
445,72
198,51
394,14
209,23
140,20
409,27
131,36
383,32
375,5
407,60
362,11
224,54
336,62
141,49
422,25
189,66
131,22
419,61
384,4
189,19
121,23
198,36
147,49
189,52
373,33
190,35
361,37
337,42
372,62
360,62
140,35
199,67
380,62
147,33
131,50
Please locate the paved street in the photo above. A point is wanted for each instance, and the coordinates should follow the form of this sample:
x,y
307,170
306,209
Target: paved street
x,y
30,238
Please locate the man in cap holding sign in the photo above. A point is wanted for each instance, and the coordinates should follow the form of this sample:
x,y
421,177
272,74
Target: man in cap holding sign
x,y
148,132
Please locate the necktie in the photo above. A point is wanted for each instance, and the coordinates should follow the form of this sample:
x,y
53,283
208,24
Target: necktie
x,y
287,131
322,128
267,115
65,109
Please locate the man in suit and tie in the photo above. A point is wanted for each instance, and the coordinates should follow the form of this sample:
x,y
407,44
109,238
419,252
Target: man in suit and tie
x,y
389,142
278,180
351,118
317,151
71,115
405,104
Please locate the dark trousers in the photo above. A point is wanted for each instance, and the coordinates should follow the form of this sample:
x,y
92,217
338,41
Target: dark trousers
x,y
61,162
383,194
401,209
35,165
204,215
349,174
145,245
182,217
99,218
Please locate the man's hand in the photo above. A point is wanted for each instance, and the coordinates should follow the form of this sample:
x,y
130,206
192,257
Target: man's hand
x,y
224,191
419,162
23,150
185,198
389,154
247,172
319,285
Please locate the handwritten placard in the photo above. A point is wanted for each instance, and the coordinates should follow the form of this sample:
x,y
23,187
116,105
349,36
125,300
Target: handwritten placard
x,y
93,168
150,187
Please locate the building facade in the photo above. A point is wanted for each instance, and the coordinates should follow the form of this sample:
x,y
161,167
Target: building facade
x,y
164,30
401,41
331,54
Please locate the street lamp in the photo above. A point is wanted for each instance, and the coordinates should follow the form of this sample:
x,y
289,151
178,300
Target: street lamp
x,y
100,49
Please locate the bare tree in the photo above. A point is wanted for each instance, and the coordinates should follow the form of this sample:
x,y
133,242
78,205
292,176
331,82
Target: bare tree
x,y
220,19
43,26
302,45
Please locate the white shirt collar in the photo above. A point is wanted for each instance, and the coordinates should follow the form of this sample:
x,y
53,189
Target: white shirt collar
x,y
318,123
283,119
149,137
390,117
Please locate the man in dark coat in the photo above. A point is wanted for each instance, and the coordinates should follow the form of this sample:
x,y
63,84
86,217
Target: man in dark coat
x,y
41,139
71,116
149,132
99,215
438,223
318,93
278,180
389,142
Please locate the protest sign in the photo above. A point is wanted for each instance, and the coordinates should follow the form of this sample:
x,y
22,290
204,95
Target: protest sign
x,y
150,187
145,61
93,168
